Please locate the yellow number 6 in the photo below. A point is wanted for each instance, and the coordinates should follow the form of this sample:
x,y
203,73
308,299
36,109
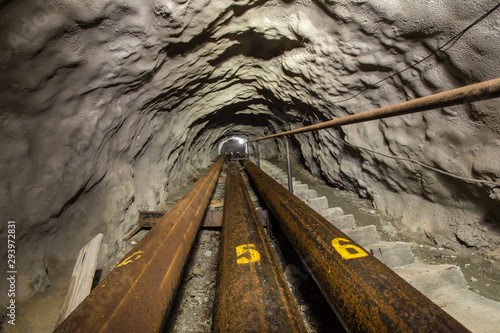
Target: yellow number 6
x,y
343,249
247,248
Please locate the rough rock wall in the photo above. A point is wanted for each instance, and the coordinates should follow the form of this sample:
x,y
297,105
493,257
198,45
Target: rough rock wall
x,y
110,107
461,140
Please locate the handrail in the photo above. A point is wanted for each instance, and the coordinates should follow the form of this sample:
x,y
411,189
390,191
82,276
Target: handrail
x,y
471,93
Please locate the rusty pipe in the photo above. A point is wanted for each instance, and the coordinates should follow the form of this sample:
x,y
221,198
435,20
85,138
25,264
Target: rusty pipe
x,y
366,295
471,93
137,294
252,294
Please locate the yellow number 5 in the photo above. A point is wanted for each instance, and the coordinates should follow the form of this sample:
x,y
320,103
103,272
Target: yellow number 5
x,y
246,249
356,252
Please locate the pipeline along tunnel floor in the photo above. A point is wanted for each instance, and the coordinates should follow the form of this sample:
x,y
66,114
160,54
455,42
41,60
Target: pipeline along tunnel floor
x,y
195,300
194,304
481,271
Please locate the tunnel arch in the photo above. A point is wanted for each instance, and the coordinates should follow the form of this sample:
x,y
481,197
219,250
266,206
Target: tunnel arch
x,y
233,144
116,121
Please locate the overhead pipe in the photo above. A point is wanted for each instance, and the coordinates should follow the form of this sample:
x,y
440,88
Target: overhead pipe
x,y
138,293
366,295
252,293
471,93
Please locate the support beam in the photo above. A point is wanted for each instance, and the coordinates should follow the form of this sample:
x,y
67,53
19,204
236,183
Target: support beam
x,y
366,295
213,219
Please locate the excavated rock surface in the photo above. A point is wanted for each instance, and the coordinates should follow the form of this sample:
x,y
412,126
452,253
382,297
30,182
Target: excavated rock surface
x,y
111,107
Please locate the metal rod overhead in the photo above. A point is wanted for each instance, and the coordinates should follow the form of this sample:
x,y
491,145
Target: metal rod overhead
x,y
137,294
252,293
366,295
472,93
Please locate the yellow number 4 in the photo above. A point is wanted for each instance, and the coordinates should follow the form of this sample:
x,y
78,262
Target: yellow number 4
x,y
247,249
356,252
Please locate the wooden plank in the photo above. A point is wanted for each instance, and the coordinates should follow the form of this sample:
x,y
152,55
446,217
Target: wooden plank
x,y
216,203
213,219
82,277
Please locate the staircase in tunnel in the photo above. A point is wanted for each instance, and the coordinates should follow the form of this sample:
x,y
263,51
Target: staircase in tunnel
x,y
196,301
110,110
444,284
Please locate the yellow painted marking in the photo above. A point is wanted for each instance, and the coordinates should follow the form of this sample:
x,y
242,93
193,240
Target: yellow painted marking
x,y
343,249
131,258
247,249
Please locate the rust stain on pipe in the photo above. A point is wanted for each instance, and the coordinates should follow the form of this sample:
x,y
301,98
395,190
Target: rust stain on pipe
x,y
137,294
366,295
471,93
252,294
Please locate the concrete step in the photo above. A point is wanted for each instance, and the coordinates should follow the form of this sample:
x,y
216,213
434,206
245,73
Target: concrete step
x,y
430,278
308,194
283,180
331,213
364,235
274,174
443,284
343,222
446,286
300,188
392,254
318,204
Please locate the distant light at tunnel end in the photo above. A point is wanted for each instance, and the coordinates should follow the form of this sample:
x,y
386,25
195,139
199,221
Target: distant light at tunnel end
x,y
239,140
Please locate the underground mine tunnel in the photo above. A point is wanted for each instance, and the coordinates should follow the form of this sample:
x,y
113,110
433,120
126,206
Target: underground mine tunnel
x,y
112,108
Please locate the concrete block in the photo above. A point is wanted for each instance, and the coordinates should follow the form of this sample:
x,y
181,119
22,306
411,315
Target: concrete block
x,y
343,222
318,204
364,235
331,213
308,194
276,176
430,278
392,254
273,172
300,188
281,179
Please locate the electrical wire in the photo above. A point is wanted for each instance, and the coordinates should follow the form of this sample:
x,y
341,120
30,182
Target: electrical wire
x,y
466,179
445,46
451,41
